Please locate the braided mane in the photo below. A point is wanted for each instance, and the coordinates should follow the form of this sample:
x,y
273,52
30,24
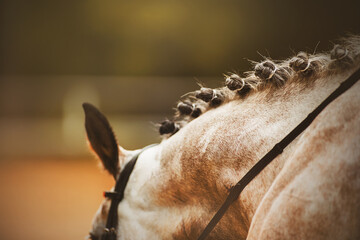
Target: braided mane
x,y
267,74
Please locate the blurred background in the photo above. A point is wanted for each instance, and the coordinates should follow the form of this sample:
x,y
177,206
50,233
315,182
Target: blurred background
x,y
132,59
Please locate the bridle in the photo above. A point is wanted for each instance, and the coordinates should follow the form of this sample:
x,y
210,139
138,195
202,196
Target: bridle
x,y
110,232
117,195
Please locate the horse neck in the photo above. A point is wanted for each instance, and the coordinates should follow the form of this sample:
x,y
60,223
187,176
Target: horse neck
x,y
211,154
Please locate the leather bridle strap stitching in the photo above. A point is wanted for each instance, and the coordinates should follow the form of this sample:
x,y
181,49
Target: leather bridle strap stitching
x,y
117,195
275,151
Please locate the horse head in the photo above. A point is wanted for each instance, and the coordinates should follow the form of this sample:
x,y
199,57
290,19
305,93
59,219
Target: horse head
x,y
217,135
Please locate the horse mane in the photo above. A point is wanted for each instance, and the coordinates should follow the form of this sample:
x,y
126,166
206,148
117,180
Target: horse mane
x,y
268,75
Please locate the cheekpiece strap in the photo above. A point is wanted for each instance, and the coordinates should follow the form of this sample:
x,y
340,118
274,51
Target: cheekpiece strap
x,y
113,195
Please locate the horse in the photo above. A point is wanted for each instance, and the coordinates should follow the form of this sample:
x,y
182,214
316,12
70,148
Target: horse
x,y
310,191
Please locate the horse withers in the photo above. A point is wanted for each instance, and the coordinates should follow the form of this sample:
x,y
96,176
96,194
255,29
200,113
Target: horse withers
x,y
310,191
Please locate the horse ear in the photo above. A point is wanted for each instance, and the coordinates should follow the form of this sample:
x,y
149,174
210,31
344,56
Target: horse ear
x,y
102,138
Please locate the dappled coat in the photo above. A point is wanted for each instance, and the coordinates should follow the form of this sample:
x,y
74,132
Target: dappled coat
x,y
310,191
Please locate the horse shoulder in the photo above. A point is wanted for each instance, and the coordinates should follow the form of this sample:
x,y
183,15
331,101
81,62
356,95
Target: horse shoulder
x,y
317,193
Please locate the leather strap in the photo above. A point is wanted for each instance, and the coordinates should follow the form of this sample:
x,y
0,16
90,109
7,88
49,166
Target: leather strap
x,y
275,151
110,232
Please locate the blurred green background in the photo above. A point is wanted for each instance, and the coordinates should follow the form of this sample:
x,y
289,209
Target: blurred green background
x,y
132,59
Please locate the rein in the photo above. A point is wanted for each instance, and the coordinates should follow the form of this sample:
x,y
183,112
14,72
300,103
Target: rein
x,y
275,151
110,232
